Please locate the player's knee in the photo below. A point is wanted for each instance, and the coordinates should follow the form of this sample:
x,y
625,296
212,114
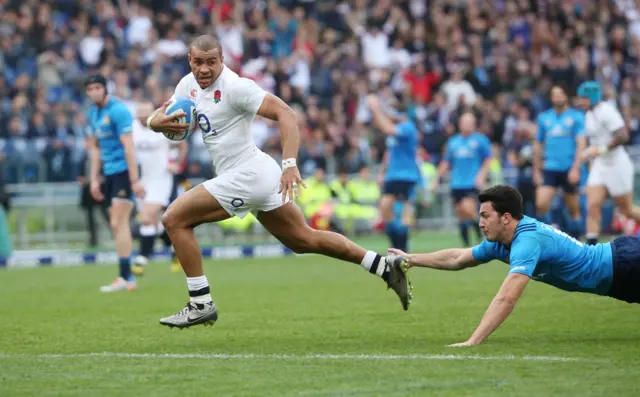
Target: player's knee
x,y
593,208
542,208
148,219
170,221
115,223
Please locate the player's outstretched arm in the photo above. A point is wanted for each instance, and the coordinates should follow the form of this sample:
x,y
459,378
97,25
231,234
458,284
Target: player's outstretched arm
x,y
274,108
500,308
449,259
380,120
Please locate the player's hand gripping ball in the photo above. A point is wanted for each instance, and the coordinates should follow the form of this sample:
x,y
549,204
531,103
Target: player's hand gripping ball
x,y
179,106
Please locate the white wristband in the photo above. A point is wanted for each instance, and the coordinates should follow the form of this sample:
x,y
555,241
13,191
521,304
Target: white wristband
x,y
154,114
602,149
288,163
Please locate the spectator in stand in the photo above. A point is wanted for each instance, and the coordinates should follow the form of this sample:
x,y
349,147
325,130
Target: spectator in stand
x,y
438,58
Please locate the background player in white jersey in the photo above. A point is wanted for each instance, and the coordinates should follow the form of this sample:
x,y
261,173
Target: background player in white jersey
x,y
611,167
248,180
157,178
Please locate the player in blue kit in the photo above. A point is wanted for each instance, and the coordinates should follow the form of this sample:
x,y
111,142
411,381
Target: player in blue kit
x,y
402,172
535,250
467,157
113,151
557,151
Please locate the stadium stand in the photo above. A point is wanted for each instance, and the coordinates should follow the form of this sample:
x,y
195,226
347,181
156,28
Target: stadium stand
x,y
432,59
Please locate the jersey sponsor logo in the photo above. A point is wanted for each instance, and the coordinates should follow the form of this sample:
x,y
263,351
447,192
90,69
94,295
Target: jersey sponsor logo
x,y
473,144
106,120
464,152
557,131
568,122
217,96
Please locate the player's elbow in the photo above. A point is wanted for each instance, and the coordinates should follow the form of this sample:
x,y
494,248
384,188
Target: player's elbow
x,y
287,115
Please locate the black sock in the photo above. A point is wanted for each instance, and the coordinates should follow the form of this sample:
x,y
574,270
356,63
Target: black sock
x,y
146,246
125,268
464,232
165,238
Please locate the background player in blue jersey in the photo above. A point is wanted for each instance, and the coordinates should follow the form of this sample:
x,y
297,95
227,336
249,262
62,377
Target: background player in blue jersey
x,y
557,151
113,150
402,172
468,156
535,250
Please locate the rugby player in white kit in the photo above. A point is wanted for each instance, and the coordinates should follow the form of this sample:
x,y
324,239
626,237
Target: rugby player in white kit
x,y
157,178
611,167
248,180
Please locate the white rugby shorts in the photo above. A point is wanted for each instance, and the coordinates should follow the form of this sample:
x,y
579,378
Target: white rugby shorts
x,y
157,189
251,187
616,174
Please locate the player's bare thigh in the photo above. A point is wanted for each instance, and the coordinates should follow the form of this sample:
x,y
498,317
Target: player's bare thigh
x,y
467,208
120,211
194,207
286,223
544,195
386,206
595,196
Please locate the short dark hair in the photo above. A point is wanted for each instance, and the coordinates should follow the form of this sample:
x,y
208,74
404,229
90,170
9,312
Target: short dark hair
x,y
503,199
563,86
205,43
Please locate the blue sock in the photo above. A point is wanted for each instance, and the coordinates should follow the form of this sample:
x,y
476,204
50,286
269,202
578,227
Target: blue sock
x,y
464,232
403,238
546,218
575,226
125,268
390,231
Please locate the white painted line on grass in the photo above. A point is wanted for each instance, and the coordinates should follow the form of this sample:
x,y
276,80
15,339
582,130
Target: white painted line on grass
x,y
363,357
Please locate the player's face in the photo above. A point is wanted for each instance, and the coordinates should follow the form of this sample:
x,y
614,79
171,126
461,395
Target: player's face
x,y
205,65
467,123
96,92
491,223
558,97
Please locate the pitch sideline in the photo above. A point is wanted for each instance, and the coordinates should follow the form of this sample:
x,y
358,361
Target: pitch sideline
x,y
363,357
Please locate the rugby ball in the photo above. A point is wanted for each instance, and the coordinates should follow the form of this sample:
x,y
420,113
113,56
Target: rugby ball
x,y
187,105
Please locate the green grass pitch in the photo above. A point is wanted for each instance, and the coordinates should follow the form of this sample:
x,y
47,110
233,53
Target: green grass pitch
x,y
308,326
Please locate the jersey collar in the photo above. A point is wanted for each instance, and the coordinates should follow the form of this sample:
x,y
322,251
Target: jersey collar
x,y
215,82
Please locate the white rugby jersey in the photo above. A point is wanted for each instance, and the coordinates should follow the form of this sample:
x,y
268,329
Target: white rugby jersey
x,y
225,111
152,151
600,124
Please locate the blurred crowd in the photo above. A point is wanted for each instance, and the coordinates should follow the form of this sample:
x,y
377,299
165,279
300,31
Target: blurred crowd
x,y
428,59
